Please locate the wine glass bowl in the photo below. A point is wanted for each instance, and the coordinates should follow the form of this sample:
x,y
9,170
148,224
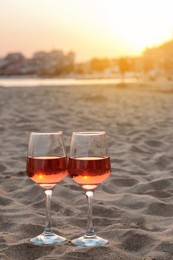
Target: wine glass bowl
x,y
46,165
89,172
46,171
89,165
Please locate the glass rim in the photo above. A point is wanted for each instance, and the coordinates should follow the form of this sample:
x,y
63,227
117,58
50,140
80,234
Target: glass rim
x,y
46,133
90,133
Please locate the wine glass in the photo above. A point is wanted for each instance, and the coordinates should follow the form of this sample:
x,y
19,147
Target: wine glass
x,y
46,165
89,165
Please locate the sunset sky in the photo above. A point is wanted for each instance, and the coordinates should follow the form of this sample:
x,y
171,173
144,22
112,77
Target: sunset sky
x,y
91,28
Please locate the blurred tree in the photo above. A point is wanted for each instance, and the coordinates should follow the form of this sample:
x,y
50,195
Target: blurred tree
x,y
99,65
123,64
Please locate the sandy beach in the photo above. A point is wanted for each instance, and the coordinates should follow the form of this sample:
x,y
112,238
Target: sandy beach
x,y
133,209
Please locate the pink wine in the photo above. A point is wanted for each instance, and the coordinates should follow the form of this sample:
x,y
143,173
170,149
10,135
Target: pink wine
x,y
89,170
46,170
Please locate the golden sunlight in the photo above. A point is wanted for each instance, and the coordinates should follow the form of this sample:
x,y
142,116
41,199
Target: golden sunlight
x,y
91,28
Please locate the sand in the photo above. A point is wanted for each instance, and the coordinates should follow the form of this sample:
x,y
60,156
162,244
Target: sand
x,y
133,209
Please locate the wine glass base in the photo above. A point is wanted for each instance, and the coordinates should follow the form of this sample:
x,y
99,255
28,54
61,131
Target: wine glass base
x,y
44,239
85,241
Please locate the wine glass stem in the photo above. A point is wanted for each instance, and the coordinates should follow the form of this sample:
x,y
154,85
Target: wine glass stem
x,y
89,228
48,195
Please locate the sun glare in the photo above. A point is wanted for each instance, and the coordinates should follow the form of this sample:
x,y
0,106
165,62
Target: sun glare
x,y
136,24
142,34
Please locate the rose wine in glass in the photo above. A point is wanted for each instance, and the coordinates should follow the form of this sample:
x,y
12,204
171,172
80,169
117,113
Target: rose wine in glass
x,y
46,165
89,165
